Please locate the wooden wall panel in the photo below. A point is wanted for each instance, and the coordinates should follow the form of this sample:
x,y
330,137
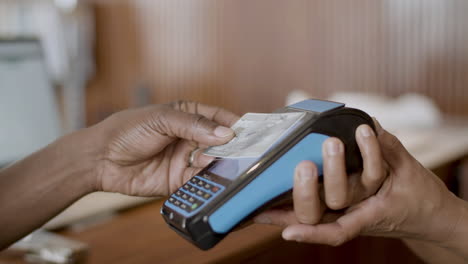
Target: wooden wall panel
x,y
247,55
118,59
390,47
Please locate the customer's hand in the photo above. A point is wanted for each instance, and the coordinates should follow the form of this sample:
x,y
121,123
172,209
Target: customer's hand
x,y
411,203
146,151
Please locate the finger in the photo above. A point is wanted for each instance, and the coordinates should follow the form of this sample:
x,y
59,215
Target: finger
x,y
306,198
336,233
334,174
391,148
276,217
373,173
332,234
193,154
193,127
181,152
200,160
178,164
217,114
189,173
378,127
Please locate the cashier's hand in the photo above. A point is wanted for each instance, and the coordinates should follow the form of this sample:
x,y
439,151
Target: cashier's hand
x,y
404,199
146,151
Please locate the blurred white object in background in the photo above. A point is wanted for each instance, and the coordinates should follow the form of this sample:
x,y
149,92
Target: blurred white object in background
x,y
28,108
407,112
66,5
296,96
66,31
29,68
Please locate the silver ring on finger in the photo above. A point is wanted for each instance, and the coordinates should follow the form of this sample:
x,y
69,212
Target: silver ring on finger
x,y
191,159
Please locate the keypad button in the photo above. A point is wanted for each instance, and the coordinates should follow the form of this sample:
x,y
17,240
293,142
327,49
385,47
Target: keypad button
x,y
207,186
177,202
215,189
200,193
200,183
196,205
187,187
185,196
184,206
193,189
194,180
172,199
179,193
207,196
191,199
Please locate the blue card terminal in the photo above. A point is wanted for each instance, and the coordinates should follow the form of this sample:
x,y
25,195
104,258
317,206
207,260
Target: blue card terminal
x,y
230,191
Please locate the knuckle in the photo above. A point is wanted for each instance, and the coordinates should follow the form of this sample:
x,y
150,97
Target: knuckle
x,y
304,195
195,125
391,141
201,124
308,220
175,104
197,118
178,105
185,106
159,123
374,177
198,121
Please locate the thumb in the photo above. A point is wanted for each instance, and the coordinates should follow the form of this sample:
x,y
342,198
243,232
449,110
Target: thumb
x,y
392,149
354,222
193,127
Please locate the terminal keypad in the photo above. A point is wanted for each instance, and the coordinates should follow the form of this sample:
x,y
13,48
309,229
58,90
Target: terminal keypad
x,y
194,194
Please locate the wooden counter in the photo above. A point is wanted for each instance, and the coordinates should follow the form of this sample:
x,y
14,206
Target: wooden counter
x,y
140,236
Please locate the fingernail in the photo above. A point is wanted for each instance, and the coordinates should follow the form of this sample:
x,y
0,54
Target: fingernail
x,y
333,148
291,236
261,219
288,235
222,131
365,131
304,174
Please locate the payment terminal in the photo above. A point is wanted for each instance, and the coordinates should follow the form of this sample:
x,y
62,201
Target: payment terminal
x,y
229,191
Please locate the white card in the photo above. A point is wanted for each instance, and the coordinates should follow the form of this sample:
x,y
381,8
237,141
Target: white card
x,y
255,134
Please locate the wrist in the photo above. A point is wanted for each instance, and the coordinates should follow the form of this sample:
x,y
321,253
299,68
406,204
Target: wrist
x,y
447,231
444,226
457,240
46,182
83,152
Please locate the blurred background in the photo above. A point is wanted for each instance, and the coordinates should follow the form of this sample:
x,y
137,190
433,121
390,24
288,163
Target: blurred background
x,y
247,56
67,64
104,56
